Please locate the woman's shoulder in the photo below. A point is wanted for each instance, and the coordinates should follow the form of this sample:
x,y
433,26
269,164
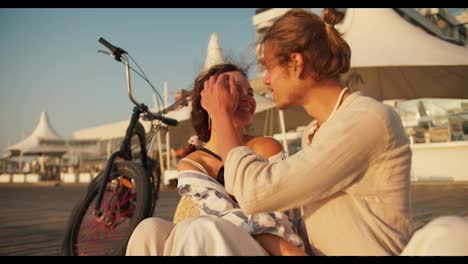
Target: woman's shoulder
x,y
261,140
201,162
264,146
184,164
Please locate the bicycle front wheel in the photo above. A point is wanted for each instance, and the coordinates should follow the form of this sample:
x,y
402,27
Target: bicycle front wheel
x,y
126,202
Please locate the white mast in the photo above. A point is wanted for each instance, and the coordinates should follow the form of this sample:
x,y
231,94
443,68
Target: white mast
x,y
214,54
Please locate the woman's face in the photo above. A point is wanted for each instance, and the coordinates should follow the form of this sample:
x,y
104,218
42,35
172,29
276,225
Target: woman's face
x,y
246,105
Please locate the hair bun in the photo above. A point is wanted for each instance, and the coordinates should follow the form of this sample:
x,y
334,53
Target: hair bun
x,y
332,16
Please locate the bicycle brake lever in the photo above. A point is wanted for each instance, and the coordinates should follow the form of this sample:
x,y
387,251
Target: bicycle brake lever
x,y
105,52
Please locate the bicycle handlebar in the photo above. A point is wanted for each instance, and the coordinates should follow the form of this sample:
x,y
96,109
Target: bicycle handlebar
x,y
116,51
166,120
117,54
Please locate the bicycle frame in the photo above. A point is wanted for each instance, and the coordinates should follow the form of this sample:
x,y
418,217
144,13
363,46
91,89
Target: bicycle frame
x,y
125,152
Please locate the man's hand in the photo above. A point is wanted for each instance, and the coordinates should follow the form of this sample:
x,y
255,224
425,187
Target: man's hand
x,y
220,95
220,98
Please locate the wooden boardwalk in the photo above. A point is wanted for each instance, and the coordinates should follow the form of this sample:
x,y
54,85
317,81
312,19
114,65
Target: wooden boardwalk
x,y
33,217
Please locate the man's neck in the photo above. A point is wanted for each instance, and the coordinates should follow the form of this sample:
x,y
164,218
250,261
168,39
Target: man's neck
x,y
322,100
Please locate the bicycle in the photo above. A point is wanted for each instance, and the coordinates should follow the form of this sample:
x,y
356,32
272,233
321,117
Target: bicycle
x,y
126,191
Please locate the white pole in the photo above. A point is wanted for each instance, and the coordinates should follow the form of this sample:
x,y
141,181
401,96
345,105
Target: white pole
x,y
158,136
20,165
168,137
42,163
161,162
283,131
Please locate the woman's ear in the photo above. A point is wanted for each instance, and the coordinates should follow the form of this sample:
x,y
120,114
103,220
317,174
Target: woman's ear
x,y
297,63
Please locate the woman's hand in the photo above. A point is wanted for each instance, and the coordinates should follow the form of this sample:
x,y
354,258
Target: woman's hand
x,y
220,95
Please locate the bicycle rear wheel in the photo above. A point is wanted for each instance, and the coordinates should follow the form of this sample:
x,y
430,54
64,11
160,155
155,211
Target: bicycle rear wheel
x,y
126,202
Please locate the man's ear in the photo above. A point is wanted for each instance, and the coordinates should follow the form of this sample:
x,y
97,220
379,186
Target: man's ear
x,y
297,63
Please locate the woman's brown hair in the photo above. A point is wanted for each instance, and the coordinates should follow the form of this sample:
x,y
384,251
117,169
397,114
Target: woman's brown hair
x,y
325,51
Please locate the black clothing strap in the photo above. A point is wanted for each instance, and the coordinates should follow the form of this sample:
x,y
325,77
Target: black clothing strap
x,y
211,153
220,176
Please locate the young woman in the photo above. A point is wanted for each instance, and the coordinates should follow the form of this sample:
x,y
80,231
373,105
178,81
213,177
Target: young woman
x,y
351,177
201,178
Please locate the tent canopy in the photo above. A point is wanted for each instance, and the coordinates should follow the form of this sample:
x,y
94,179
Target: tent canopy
x,y
393,59
43,140
381,37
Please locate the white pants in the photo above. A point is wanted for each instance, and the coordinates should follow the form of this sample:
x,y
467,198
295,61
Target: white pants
x,y
149,237
198,236
443,236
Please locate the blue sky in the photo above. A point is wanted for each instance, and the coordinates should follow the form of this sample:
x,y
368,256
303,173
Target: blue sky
x,y
49,60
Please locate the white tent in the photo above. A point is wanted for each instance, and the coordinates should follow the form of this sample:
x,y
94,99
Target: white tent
x,y
394,59
214,53
43,139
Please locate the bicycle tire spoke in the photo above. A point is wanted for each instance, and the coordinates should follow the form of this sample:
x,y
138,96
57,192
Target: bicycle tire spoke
x,y
99,237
